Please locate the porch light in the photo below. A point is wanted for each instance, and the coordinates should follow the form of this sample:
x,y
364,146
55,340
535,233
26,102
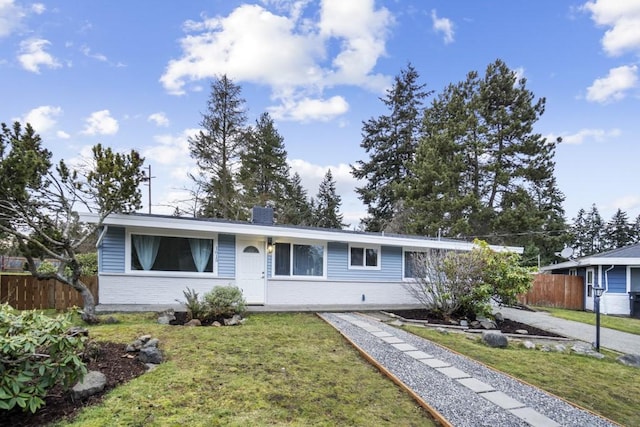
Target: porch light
x,y
597,293
269,245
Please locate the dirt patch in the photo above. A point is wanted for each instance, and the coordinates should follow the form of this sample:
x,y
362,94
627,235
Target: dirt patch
x,y
507,326
107,358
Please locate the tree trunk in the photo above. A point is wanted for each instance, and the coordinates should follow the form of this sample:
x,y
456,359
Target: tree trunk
x,y
89,310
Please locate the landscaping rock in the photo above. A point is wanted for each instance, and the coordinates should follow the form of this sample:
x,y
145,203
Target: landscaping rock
x,y
464,323
586,351
166,317
443,331
134,346
144,338
235,320
150,355
193,322
495,339
151,343
560,348
91,384
522,332
630,360
216,323
78,331
498,317
529,345
475,324
488,324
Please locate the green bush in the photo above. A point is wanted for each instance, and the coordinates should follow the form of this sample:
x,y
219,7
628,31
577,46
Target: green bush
x,y
224,301
37,353
195,307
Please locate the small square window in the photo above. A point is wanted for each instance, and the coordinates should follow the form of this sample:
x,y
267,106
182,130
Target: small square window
x,y
363,257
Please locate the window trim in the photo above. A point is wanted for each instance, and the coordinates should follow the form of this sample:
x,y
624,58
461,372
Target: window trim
x,y
404,262
291,276
168,233
364,247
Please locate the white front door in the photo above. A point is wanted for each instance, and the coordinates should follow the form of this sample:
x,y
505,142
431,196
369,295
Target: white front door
x,y
589,282
250,270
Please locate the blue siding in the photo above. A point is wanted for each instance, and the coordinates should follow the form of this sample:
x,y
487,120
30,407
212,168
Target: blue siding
x,y
617,279
112,251
338,269
226,255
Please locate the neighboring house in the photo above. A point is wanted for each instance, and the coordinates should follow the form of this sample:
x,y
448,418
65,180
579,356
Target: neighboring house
x,y
152,259
618,271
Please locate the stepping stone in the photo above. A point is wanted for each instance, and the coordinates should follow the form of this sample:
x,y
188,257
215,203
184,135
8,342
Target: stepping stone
x,y
404,347
475,385
502,400
435,363
453,372
381,334
419,355
392,340
534,418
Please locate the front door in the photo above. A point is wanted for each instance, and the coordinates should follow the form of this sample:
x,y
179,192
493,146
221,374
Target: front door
x,y
589,282
250,269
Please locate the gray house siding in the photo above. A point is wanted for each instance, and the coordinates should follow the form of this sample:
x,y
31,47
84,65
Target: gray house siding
x,y
226,255
338,268
112,251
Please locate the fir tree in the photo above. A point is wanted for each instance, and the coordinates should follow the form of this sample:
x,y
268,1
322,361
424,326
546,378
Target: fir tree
x,y
618,231
390,141
217,147
296,207
327,204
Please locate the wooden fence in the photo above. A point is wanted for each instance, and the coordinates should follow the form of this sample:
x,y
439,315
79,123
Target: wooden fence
x,y
25,292
556,290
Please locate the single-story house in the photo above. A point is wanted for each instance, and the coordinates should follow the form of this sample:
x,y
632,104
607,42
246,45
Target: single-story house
x,y
618,271
152,259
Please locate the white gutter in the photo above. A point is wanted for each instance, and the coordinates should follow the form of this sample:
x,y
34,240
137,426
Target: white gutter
x,y
101,236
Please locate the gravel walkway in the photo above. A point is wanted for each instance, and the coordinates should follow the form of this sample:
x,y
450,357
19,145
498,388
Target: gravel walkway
x,y
463,391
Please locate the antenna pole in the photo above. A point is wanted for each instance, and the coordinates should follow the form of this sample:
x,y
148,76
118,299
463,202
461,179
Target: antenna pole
x,y
148,180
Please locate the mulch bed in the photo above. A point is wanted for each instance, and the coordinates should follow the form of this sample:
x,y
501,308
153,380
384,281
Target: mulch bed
x,y
108,360
507,326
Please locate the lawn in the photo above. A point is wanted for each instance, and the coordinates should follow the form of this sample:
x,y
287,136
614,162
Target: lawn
x,y
624,324
603,386
276,369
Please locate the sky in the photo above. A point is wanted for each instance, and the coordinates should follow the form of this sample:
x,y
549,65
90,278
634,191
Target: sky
x,y
137,75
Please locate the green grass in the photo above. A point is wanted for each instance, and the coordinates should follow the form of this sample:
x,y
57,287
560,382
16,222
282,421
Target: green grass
x,y
624,324
603,386
276,369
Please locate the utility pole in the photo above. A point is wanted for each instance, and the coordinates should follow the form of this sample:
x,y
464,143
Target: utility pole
x,y
148,182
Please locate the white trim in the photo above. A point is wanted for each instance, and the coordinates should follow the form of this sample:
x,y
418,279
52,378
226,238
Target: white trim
x,y
364,248
169,233
247,229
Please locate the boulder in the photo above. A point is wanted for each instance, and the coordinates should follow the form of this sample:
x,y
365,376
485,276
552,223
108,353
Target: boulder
x,y
464,323
144,338
441,330
488,324
216,323
134,346
91,384
630,360
150,355
498,317
166,317
153,342
235,320
522,331
495,339
193,322
529,345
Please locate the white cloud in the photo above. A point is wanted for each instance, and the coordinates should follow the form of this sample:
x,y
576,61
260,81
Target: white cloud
x,y
286,52
614,86
310,109
101,123
583,135
86,51
42,118
38,8
623,18
62,134
444,26
32,55
160,119
171,149
11,16
626,203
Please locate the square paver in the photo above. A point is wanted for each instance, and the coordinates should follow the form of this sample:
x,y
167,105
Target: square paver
x,y
419,355
534,418
475,385
404,347
391,340
381,334
453,372
502,400
435,363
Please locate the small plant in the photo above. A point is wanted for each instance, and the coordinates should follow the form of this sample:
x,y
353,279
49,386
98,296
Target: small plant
x,y
37,352
195,307
224,301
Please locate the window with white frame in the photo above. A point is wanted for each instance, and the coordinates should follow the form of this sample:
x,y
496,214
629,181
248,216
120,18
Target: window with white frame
x,y
294,259
361,256
410,258
166,253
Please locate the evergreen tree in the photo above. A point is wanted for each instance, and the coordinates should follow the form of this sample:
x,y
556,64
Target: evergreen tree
x,y
217,149
481,171
588,229
296,207
327,204
635,231
264,172
390,141
618,231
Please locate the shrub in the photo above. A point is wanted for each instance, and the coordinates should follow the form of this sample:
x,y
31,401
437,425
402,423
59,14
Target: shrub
x,y
36,354
195,307
224,301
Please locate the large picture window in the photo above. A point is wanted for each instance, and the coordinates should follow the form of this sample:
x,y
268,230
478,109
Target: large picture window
x,y
364,257
162,253
292,259
410,258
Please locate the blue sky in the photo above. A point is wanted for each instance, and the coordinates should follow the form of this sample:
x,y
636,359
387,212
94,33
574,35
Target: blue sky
x,y
137,75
